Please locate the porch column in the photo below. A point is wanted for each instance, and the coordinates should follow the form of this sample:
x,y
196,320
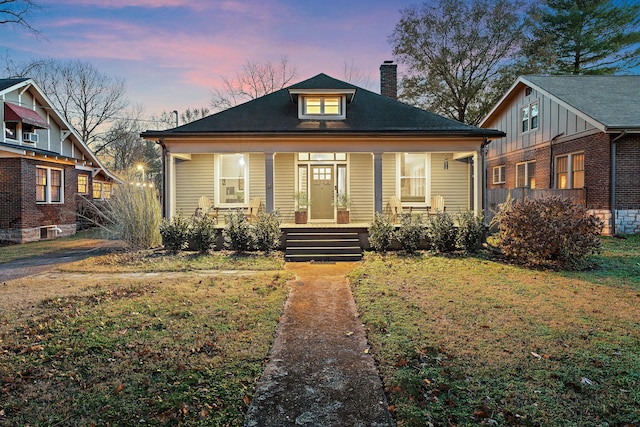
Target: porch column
x,y
171,186
268,169
377,182
478,183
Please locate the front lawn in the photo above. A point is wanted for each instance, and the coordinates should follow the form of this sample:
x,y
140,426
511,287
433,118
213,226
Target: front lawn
x,y
135,350
470,341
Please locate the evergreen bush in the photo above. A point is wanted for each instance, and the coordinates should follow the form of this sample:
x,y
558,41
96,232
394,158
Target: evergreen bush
x,y
441,232
175,233
410,233
203,233
380,233
267,231
470,232
238,234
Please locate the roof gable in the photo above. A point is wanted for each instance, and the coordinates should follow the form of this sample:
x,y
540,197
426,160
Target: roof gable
x,y
368,112
607,102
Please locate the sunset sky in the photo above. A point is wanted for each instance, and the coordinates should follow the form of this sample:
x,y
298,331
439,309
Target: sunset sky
x,y
172,52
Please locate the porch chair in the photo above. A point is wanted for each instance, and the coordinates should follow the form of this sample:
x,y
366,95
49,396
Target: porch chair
x,y
253,208
437,205
205,207
396,208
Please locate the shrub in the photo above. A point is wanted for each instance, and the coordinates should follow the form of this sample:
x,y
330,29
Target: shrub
x,y
470,231
175,233
380,233
441,232
203,233
237,232
410,233
132,215
551,231
267,231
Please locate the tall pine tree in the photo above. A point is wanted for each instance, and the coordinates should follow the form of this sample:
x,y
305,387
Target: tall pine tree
x,y
584,37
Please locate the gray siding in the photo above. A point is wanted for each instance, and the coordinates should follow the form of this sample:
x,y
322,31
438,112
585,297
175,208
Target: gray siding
x,y
257,177
453,183
194,178
284,185
388,179
361,187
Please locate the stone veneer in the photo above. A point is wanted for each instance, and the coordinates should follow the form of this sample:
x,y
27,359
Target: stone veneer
x,y
628,221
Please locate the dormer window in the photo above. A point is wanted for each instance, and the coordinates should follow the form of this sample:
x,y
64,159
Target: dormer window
x,y
326,107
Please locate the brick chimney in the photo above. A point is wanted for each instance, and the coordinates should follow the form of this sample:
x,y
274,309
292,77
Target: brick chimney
x,y
389,79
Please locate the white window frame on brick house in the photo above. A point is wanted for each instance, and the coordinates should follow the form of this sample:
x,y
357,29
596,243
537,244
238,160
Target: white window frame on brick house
x,y
83,183
526,174
499,174
46,191
569,170
529,117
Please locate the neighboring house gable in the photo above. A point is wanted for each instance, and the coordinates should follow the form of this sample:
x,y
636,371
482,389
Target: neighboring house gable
x,y
44,166
577,135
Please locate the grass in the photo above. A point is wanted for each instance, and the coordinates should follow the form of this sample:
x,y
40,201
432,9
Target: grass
x,y
133,351
471,341
14,252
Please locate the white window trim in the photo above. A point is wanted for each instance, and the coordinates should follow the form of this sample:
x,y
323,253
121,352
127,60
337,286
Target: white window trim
x,y
216,177
343,107
526,172
501,173
427,177
47,190
527,107
570,171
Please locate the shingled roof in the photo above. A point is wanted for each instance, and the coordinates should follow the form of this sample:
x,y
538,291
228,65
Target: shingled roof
x,y
368,112
7,83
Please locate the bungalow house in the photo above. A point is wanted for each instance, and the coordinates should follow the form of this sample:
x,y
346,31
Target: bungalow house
x,y
323,137
44,166
577,136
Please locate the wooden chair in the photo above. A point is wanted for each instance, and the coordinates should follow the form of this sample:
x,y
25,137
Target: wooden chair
x,y
437,205
206,208
253,208
396,208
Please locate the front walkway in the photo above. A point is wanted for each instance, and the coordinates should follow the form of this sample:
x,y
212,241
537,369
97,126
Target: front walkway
x,y
320,372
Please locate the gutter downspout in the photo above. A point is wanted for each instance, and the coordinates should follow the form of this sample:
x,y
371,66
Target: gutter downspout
x,y
163,193
613,181
483,180
551,175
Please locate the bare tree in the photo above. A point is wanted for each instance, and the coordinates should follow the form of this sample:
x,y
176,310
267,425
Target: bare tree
x,y
353,74
255,80
86,97
16,12
456,54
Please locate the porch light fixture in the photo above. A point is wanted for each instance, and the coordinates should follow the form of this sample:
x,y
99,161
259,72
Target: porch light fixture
x,y
446,163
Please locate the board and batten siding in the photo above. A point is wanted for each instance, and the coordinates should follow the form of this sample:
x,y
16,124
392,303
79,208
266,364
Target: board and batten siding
x,y
361,189
193,178
284,185
453,184
553,120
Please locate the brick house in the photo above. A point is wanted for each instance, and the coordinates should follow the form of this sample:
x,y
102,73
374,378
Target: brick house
x,y
574,135
44,167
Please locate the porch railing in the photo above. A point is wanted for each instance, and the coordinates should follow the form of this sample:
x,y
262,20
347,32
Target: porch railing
x,y
497,196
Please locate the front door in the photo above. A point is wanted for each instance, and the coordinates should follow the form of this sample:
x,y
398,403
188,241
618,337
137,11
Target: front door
x,y
322,188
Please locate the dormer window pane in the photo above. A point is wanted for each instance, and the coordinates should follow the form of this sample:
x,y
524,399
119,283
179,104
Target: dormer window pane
x,y
332,105
313,106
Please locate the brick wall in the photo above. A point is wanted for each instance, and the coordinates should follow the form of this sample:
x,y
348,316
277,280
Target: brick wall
x,y
628,172
10,186
540,155
597,166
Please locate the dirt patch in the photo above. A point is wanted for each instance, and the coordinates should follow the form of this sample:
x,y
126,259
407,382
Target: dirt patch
x,y
320,372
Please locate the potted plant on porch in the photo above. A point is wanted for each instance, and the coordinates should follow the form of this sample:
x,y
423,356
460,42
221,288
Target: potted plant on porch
x,y
343,203
301,199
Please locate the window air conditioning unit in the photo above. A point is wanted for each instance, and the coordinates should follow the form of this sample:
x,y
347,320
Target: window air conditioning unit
x,y
30,137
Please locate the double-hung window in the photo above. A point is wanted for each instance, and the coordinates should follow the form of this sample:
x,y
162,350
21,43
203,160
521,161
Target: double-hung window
x,y
83,183
323,106
413,175
529,117
570,171
49,185
498,174
232,171
526,174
